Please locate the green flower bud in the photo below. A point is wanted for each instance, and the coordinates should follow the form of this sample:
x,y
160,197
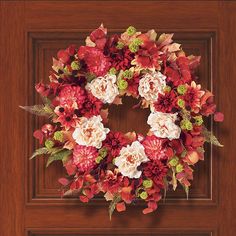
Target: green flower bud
x,y
174,161
49,144
186,125
131,31
98,159
122,84
167,89
147,183
181,103
143,195
113,71
133,48
179,168
103,152
181,89
75,65
128,74
120,45
134,45
58,135
198,120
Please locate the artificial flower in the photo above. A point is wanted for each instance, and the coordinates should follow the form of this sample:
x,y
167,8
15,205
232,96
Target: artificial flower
x,y
104,88
130,159
151,85
163,125
90,132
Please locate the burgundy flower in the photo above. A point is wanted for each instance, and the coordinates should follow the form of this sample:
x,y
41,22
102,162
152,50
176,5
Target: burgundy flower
x,y
120,58
133,85
156,171
166,102
90,107
114,142
95,60
98,36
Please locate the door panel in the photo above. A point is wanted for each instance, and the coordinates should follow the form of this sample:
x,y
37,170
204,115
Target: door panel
x,y
31,34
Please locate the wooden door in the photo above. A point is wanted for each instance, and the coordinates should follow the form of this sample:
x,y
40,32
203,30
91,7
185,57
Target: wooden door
x,y
31,33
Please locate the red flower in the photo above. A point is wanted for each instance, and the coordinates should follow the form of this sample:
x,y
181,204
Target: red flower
x,y
95,60
166,102
179,73
84,157
64,55
42,89
114,142
192,97
90,107
72,96
156,171
133,85
207,105
147,56
154,147
98,36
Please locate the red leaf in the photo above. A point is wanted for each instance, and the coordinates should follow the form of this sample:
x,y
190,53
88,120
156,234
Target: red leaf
x,y
120,206
63,181
38,134
63,56
147,210
218,116
83,198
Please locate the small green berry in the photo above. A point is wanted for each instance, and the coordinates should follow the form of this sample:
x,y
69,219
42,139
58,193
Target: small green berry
x,y
143,195
181,103
75,65
134,45
58,135
198,120
131,31
186,125
120,45
98,159
174,161
49,144
179,168
103,152
147,183
113,71
181,89
122,84
128,74
167,89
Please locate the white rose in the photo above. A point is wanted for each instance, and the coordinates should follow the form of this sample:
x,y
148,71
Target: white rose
x,y
130,158
90,132
104,88
163,125
150,85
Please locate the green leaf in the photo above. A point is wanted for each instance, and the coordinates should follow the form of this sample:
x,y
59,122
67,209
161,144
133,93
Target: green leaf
x,y
40,151
39,110
46,100
186,189
174,180
112,205
210,138
58,155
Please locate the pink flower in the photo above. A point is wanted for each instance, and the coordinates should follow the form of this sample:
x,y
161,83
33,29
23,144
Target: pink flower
x,y
95,60
154,147
84,157
72,96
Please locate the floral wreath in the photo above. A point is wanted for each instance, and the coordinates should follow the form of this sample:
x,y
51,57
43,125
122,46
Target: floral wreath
x,y
124,167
